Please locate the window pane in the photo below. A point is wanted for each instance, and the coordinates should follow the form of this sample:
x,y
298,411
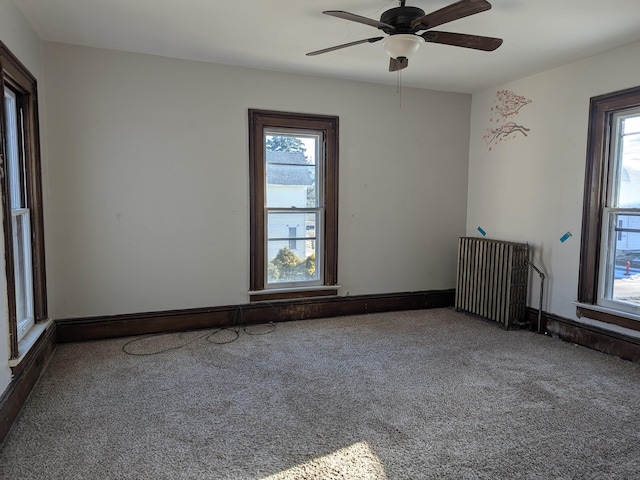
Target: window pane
x,y
14,165
286,264
625,271
291,170
22,271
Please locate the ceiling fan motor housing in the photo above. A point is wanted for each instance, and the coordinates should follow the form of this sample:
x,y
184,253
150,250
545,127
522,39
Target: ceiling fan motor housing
x,y
401,18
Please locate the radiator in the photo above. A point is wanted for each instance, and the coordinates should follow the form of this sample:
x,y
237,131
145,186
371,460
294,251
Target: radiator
x,y
492,279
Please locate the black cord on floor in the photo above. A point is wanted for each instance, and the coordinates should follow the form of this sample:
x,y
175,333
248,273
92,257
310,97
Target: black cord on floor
x,y
236,326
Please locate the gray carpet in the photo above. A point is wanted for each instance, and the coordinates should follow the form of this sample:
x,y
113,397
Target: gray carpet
x,y
409,395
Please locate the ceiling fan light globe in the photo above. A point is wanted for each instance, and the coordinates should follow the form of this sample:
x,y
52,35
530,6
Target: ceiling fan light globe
x,y
402,45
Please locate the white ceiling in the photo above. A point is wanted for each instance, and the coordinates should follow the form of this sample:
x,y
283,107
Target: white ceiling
x,y
276,34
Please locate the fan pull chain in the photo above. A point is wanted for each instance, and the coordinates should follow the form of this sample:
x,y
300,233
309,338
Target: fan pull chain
x,y
399,88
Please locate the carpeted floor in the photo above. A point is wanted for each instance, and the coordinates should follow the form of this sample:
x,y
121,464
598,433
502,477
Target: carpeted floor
x,y
407,395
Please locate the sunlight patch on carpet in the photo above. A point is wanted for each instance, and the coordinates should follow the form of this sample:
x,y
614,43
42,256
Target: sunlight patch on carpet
x,y
358,461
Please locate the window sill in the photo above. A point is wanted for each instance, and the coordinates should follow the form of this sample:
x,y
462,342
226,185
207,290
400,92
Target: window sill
x,y
29,340
617,318
292,293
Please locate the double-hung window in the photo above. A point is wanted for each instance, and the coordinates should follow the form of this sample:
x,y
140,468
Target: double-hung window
x,y
293,178
620,284
20,213
610,249
21,199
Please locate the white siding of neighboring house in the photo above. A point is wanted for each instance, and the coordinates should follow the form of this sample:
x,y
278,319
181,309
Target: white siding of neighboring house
x,y
629,198
288,195
628,241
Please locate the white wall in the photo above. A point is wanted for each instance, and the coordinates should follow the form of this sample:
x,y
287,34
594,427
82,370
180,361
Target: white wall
x,y
149,180
23,42
531,188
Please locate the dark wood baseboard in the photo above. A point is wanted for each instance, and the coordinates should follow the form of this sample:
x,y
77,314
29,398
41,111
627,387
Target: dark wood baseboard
x,y
25,376
96,328
606,341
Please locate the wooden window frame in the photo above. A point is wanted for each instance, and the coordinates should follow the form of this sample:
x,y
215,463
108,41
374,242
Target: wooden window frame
x,y
601,111
259,120
15,75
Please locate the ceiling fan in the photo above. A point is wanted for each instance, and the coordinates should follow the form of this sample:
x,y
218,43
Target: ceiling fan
x,y
402,25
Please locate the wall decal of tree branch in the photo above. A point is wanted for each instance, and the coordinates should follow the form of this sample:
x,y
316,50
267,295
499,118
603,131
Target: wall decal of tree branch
x,y
507,104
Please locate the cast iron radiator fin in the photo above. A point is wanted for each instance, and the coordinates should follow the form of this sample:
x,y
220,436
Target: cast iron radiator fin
x,y
492,279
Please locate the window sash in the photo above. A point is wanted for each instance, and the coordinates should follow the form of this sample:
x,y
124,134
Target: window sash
x,y
317,166
613,266
307,242
14,154
615,188
22,270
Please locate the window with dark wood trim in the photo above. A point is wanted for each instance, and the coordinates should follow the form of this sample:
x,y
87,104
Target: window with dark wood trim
x,y
292,191
601,153
21,187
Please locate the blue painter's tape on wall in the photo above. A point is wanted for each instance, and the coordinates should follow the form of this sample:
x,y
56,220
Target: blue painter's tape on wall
x,y
565,237
482,232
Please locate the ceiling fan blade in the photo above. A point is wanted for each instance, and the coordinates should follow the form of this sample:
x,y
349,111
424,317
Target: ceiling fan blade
x,y
457,10
477,42
357,18
399,63
344,45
